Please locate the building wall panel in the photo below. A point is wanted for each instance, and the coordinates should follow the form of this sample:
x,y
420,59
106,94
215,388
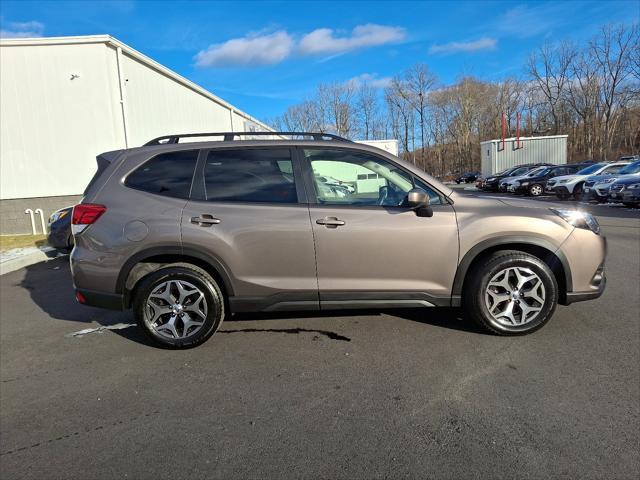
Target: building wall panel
x,y
158,105
52,125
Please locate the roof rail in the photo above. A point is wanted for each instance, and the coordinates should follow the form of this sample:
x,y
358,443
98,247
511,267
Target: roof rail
x,y
230,136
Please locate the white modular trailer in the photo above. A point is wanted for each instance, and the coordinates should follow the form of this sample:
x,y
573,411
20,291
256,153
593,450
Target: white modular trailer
x,y
390,146
64,100
495,158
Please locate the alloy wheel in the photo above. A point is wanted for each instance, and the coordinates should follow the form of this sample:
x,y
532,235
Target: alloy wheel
x,y
515,296
176,309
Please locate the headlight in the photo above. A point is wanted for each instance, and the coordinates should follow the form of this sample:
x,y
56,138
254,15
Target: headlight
x,y
524,184
490,179
57,216
608,180
633,186
578,219
566,180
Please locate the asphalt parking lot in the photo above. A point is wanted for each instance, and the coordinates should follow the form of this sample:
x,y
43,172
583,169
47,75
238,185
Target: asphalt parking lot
x,y
399,394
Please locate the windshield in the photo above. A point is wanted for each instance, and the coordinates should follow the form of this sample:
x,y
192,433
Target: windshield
x,y
590,169
538,171
519,171
631,168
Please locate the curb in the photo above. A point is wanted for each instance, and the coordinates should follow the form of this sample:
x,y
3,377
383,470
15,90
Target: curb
x,y
42,255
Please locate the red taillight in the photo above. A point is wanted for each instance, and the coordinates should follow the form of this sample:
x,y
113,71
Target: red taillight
x,y
80,297
87,213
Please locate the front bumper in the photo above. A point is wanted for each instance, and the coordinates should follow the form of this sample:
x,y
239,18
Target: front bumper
x,y
573,297
561,190
631,196
492,187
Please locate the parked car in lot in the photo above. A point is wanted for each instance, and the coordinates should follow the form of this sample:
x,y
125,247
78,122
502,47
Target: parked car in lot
x,y
507,184
185,233
60,236
468,177
626,190
596,187
566,186
492,183
337,184
534,184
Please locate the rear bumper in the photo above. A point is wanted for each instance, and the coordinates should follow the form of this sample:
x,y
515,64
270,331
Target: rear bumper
x,y
91,298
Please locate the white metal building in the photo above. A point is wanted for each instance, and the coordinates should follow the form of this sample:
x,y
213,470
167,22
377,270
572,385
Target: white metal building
x,y
494,158
64,100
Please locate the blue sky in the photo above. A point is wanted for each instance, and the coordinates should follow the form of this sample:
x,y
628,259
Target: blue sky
x,y
264,56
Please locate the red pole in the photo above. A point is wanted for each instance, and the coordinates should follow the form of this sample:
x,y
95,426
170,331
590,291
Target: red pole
x,y
518,129
504,128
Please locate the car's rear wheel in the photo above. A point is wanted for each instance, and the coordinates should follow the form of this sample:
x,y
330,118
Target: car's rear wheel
x,y
536,190
179,306
510,293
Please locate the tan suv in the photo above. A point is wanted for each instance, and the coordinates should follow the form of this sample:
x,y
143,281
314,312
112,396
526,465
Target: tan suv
x,y
185,233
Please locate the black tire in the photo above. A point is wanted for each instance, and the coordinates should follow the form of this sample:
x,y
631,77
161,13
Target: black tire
x,y
536,190
476,284
578,191
198,278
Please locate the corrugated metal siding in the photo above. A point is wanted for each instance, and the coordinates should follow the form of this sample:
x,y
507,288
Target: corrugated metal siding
x,y
551,150
52,126
158,105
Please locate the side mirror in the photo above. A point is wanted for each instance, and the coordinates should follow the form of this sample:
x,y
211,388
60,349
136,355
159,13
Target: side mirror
x,y
418,200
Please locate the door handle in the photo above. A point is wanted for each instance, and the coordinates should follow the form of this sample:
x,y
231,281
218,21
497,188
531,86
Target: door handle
x,y
205,220
330,222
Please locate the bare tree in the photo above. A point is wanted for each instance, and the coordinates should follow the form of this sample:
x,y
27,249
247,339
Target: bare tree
x,y
336,102
397,100
612,52
549,68
419,81
367,109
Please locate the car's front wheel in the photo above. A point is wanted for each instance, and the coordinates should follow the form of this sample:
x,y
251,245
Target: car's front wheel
x,y
578,191
536,190
179,306
510,293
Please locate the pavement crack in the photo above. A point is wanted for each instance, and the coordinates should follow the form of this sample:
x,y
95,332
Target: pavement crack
x,y
75,434
295,331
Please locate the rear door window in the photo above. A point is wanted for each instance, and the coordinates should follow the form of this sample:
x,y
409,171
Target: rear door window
x,y
168,174
250,175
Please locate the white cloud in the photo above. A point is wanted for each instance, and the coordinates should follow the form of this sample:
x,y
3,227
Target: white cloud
x,y
249,50
22,30
370,79
269,49
323,40
456,47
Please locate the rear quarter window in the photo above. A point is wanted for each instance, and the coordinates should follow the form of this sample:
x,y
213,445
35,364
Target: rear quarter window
x,y
168,174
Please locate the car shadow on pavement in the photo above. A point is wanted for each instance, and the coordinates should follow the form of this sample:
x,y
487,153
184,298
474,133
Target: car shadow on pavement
x,y
51,288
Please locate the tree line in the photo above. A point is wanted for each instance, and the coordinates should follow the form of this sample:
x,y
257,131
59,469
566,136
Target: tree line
x,y
590,92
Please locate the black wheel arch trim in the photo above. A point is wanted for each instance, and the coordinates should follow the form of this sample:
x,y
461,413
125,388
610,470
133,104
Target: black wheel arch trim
x,y
178,250
491,243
